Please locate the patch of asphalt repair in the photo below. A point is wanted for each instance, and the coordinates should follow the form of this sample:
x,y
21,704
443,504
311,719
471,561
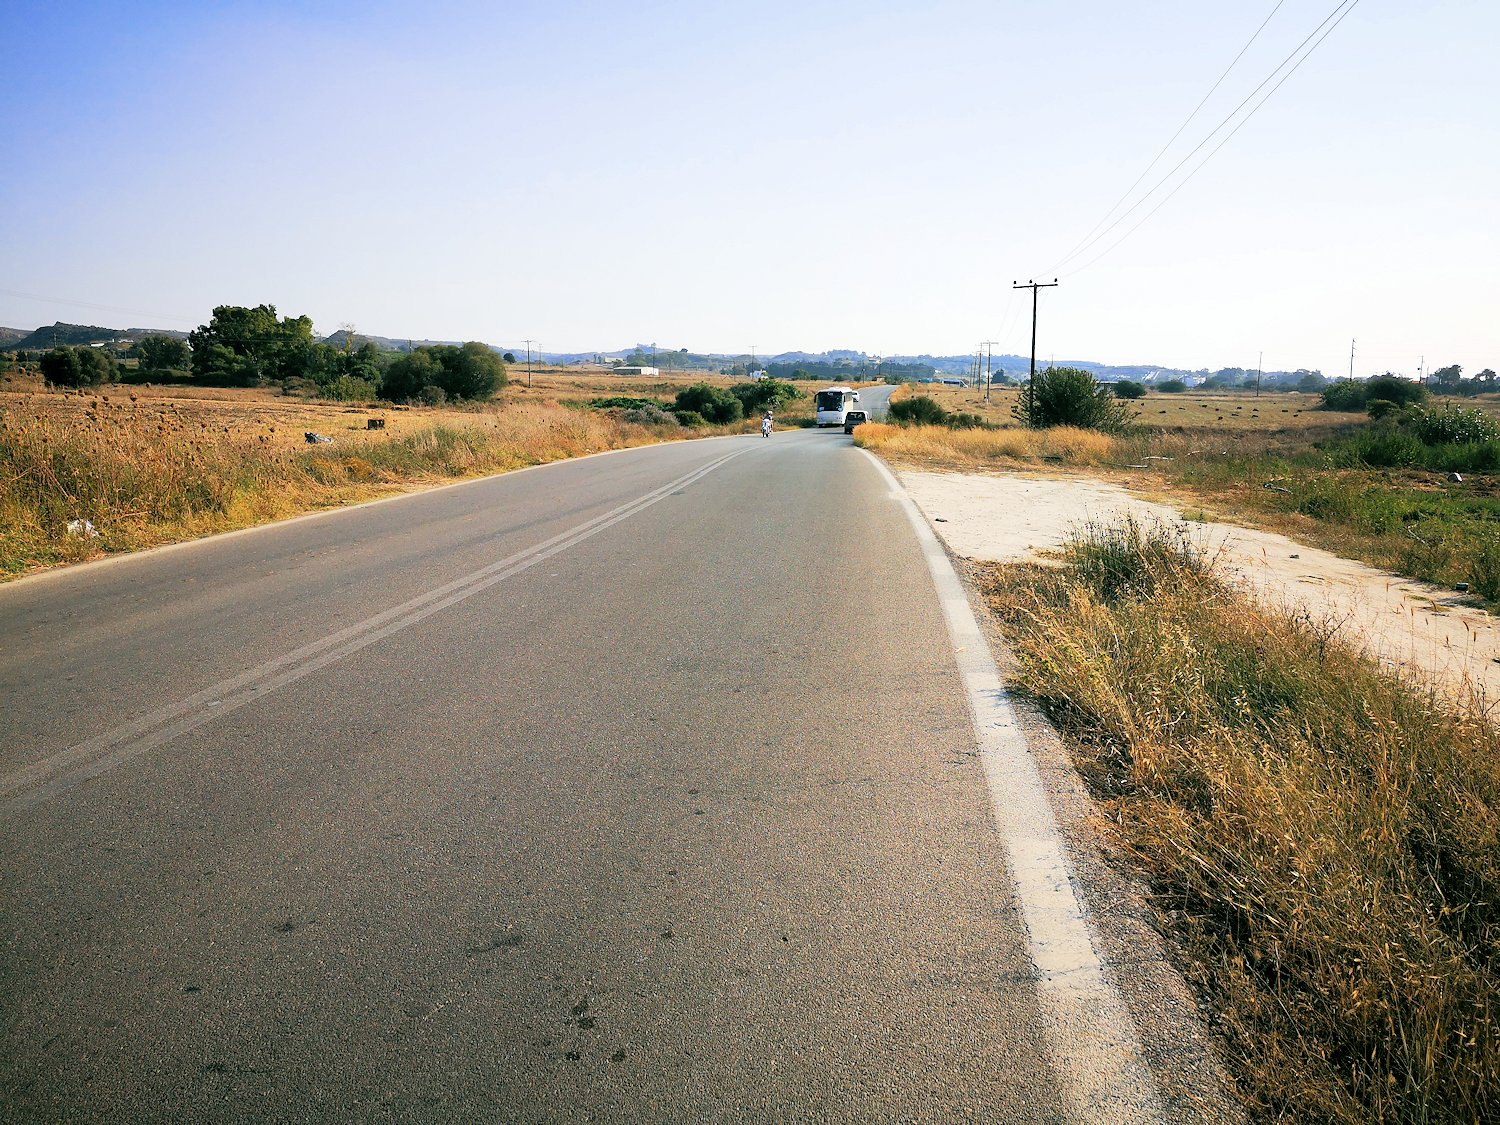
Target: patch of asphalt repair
x,y
1105,981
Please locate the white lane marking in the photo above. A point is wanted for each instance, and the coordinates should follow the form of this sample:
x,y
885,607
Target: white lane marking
x,y
89,759
1091,1037
70,570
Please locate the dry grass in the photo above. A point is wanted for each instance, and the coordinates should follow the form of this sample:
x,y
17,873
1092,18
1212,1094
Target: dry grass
x,y
940,445
1322,838
148,466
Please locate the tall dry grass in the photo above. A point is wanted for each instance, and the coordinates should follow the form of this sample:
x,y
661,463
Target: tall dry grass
x,y
1013,445
144,477
1322,838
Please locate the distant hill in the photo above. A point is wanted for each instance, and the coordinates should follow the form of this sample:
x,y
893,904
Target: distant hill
x,y
836,363
62,334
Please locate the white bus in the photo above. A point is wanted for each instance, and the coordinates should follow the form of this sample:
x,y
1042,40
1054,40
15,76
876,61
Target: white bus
x,y
832,404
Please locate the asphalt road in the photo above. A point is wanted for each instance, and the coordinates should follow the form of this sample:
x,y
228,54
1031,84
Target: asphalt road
x,y
639,787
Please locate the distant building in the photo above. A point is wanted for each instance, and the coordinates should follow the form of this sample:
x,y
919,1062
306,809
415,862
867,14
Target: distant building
x,y
649,371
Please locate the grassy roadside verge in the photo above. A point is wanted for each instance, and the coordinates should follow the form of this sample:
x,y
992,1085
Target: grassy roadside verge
x,y
1307,484
1321,838
146,478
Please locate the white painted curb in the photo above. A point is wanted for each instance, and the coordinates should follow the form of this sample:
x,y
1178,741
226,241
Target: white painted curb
x,y
1090,1035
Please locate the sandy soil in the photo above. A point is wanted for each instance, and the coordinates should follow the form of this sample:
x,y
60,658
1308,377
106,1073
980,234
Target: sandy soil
x,y
1427,630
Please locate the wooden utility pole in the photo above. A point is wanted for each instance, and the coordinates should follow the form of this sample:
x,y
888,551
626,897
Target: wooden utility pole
x,y
1031,383
528,344
1259,363
989,355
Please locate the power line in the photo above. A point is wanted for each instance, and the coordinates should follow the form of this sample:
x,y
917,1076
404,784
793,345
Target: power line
x,y
1199,167
87,305
1186,122
1343,8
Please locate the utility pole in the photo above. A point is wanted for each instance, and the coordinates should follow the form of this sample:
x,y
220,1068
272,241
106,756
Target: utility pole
x,y
989,355
528,344
1031,383
1351,360
1259,363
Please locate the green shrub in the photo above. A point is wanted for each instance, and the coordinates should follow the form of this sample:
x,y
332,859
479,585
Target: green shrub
x,y
1128,388
689,418
79,367
1403,392
919,410
1071,396
1172,387
626,402
1455,425
710,403
1381,408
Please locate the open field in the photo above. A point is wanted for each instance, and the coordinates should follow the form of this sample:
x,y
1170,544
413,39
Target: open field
x,y
1321,837
148,465
1276,463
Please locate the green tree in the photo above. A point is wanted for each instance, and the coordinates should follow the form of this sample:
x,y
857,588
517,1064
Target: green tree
x,y
1071,396
1310,381
162,353
763,393
1447,380
79,367
246,347
471,372
1127,388
1171,386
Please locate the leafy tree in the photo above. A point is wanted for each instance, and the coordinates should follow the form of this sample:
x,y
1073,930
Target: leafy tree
x,y
163,353
471,372
757,396
1171,387
1127,388
1309,381
79,367
712,403
246,347
1392,388
1447,380
509,357
1071,396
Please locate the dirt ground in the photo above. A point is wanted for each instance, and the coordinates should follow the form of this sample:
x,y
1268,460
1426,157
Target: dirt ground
x,y
1428,631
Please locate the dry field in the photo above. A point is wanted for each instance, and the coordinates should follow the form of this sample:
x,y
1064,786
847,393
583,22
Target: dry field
x,y
148,465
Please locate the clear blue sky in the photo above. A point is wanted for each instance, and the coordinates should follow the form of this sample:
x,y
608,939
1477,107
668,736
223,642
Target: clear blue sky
x,y
816,174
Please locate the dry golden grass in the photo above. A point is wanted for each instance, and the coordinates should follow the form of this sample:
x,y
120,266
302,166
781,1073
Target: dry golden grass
x,y
1322,839
980,448
153,465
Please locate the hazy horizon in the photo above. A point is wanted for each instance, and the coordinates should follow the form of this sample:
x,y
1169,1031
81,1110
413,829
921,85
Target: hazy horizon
x,y
770,176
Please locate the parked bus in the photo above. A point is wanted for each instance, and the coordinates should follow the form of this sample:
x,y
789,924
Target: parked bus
x,y
831,405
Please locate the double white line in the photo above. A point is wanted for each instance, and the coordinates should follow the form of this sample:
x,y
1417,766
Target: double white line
x,y
60,772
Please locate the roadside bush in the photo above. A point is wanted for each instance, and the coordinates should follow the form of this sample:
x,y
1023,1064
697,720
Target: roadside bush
x,y
710,403
1381,408
648,416
626,402
1071,396
79,367
1128,388
689,418
919,410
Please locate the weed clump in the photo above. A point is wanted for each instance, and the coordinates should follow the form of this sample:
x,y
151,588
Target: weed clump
x,y
1321,838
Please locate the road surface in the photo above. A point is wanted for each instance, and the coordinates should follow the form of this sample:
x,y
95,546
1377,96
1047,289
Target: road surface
x,y
639,787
